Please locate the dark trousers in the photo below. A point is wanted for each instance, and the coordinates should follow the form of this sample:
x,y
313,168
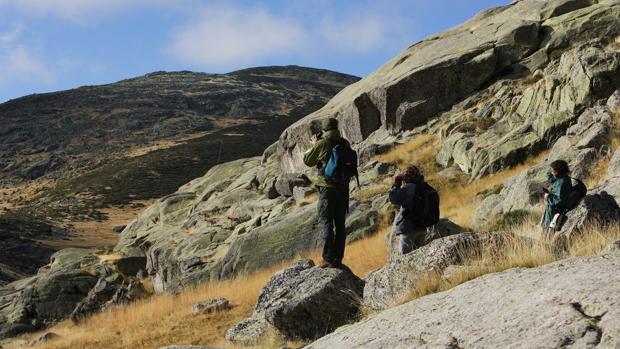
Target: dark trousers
x,y
332,207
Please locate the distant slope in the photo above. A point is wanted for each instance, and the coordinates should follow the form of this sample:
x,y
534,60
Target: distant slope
x,y
45,133
65,135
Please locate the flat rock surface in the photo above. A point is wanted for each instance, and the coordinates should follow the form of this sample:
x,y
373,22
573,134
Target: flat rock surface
x,y
572,303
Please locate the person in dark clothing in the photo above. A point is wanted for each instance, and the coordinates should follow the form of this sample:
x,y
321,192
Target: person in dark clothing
x,y
556,197
411,234
333,199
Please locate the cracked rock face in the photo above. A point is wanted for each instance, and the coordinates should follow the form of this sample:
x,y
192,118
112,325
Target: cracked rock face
x,y
484,54
388,286
581,145
219,225
572,303
302,301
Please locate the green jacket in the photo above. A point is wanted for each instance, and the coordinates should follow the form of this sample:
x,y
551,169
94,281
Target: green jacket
x,y
319,154
561,188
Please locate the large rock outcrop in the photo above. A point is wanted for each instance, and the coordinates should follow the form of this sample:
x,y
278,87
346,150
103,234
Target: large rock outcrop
x,y
40,301
223,224
598,208
499,44
518,308
302,301
442,229
583,143
75,282
393,283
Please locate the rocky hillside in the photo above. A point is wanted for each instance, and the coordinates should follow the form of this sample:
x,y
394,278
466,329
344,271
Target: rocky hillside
x,y
64,155
514,81
504,85
108,128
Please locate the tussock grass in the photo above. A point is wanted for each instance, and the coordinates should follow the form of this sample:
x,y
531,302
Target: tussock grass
x,y
165,319
522,248
599,171
420,151
615,125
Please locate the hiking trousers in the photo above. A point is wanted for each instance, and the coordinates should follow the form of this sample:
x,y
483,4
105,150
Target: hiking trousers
x,y
332,207
411,240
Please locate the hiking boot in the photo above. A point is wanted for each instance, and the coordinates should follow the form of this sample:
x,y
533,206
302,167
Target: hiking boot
x,y
325,264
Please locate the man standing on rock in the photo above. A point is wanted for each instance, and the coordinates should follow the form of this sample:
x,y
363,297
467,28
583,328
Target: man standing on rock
x,y
333,198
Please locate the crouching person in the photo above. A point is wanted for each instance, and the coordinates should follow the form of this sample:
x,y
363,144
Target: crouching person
x,y
419,208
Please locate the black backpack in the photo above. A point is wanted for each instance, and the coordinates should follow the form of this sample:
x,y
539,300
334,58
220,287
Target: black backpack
x,y
576,195
426,206
342,164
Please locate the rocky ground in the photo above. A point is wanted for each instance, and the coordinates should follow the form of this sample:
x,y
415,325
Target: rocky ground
x,y
511,82
519,308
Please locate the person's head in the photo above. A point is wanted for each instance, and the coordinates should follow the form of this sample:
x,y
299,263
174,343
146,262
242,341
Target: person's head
x,y
329,124
411,174
316,129
559,168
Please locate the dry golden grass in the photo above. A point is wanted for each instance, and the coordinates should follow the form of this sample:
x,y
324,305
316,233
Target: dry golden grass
x,y
457,200
614,45
368,192
615,129
166,319
517,252
599,171
593,239
366,255
306,201
100,233
421,151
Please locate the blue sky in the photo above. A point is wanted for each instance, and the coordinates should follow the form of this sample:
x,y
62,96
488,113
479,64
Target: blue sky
x,y
50,45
